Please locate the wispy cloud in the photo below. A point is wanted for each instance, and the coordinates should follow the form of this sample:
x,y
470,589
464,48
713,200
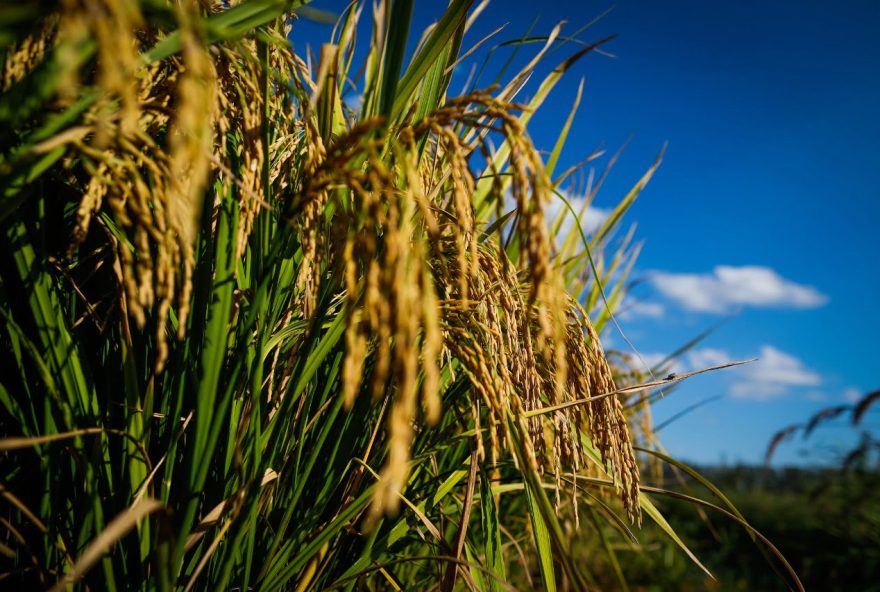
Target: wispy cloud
x,y
651,360
696,359
707,357
728,287
354,100
852,394
591,219
773,375
637,309
816,396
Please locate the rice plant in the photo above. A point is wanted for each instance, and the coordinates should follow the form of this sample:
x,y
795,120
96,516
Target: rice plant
x,y
254,338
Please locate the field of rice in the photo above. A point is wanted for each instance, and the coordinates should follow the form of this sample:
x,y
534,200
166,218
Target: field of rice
x,y
259,336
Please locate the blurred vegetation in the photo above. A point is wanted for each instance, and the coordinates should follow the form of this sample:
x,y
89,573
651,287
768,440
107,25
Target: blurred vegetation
x,y
826,522
824,519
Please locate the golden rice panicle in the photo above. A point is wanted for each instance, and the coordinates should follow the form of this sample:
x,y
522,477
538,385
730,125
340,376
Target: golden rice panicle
x,y
154,192
91,201
114,25
425,223
308,222
461,190
25,55
405,317
485,338
393,306
531,191
190,150
522,340
393,314
432,348
132,181
605,418
243,107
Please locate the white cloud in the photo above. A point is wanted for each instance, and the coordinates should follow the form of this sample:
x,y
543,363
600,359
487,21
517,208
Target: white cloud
x,y
354,101
707,357
634,309
592,217
650,360
852,394
695,360
728,287
773,375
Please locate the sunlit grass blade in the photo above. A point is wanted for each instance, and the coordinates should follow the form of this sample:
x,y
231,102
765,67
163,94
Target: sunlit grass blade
x,y
654,514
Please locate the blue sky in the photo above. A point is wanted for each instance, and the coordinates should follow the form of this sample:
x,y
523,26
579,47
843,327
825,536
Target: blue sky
x,y
766,205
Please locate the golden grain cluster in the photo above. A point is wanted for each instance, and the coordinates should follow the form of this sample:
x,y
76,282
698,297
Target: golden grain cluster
x,y
424,288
